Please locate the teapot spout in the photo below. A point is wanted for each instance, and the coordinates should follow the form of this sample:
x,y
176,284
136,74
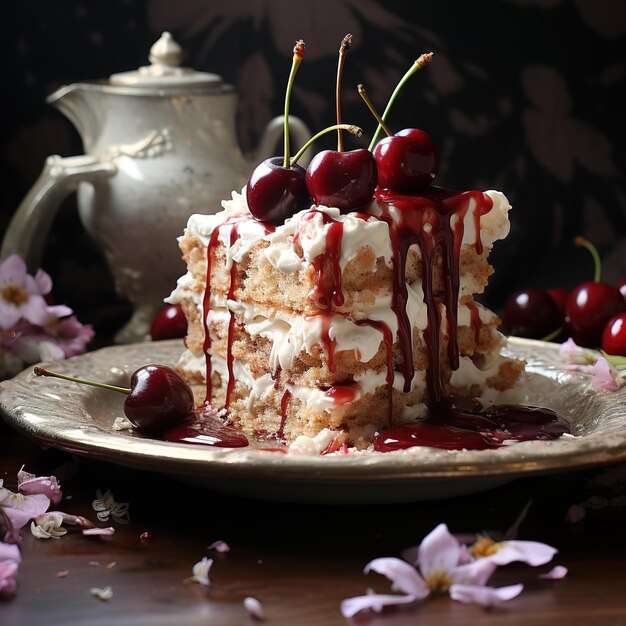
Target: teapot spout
x,y
82,104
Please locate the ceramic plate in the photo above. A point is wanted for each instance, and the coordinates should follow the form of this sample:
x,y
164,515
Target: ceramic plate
x,y
79,419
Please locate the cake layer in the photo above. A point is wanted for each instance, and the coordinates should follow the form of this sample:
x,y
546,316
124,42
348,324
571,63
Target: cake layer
x,y
261,405
301,265
329,347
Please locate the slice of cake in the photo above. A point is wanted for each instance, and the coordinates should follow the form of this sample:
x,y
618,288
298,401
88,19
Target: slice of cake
x,y
347,321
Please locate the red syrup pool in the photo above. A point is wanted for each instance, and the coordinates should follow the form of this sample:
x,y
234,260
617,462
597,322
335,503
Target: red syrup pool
x,y
206,428
453,428
448,428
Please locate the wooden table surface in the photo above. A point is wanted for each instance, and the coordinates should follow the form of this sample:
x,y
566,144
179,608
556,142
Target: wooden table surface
x,y
300,561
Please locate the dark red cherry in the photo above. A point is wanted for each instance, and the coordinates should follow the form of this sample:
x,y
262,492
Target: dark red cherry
x,y
531,313
407,161
560,297
275,192
614,335
169,323
589,307
159,397
345,180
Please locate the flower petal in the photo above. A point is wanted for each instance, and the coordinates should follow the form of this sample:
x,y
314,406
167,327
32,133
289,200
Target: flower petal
x,y
219,546
485,596
403,576
477,572
556,573
9,552
254,608
43,281
531,552
603,375
372,602
101,532
439,551
48,485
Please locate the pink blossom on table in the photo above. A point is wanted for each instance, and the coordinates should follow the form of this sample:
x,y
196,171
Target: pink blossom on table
x,y
10,559
20,508
30,484
69,334
219,546
485,596
556,573
21,295
604,376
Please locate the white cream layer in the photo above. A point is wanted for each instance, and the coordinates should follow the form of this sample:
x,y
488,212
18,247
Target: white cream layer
x,y
312,233
290,334
365,383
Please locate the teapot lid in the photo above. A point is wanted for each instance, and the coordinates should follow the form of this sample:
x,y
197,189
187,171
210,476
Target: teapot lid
x,y
164,70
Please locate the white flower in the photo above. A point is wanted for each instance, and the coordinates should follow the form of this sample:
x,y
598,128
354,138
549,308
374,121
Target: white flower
x,y
106,506
48,526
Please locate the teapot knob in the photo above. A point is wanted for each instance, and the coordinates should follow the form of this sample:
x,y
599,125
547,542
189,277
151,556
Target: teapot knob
x,y
165,51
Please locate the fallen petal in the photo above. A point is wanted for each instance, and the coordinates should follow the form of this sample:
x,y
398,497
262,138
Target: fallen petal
x,y
47,485
485,596
102,594
556,573
219,546
403,576
373,602
604,376
254,607
101,532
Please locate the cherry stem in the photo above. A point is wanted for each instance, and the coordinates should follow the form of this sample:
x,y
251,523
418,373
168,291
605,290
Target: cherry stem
x,y
424,59
581,241
40,371
553,335
354,130
614,359
370,106
346,42
298,55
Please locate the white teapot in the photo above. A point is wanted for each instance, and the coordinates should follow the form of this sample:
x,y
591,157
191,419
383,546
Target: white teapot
x,y
160,144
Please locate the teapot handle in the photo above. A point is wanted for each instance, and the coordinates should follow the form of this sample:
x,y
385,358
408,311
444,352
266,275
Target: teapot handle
x,y
299,133
29,226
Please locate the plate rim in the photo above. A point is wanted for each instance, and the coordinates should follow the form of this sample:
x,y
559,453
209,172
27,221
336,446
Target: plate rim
x,y
191,460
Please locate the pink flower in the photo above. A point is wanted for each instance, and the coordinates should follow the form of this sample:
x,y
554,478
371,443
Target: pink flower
x,y
442,564
69,334
21,295
9,563
20,508
573,353
30,484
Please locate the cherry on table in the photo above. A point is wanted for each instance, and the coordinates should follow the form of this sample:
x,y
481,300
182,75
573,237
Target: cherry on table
x,y
531,313
614,335
158,396
589,307
560,296
169,323
407,161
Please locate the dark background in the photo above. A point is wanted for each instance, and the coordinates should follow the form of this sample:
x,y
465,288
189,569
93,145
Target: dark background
x,y
523,96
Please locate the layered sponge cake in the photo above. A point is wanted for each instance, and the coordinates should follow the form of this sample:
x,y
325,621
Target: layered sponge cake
x,y
352,322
